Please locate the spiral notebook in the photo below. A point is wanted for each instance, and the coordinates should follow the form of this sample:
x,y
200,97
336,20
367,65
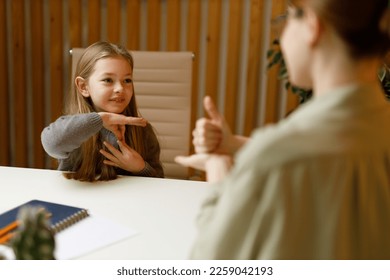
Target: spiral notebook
x,y
85,232
61,216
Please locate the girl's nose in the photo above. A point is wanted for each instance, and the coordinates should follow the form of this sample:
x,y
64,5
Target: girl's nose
x,y
118,87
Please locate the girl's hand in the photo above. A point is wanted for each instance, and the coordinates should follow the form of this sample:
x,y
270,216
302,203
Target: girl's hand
x,y
125,158
116,123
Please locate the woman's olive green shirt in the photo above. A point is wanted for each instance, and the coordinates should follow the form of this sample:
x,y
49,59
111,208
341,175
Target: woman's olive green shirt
x,y
314,186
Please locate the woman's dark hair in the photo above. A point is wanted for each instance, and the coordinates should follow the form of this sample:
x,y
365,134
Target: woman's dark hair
x,y
362,24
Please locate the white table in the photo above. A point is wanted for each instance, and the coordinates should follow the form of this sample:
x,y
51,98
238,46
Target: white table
x,y
163,211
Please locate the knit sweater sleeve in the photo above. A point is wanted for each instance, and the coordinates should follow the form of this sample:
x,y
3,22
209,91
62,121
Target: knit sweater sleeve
x,y
67,133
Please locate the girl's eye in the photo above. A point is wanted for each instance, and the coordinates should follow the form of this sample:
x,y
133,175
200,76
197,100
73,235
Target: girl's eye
x,y
128,81
107,80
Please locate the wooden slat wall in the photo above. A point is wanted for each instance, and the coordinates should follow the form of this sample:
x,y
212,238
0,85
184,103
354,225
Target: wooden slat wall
x,y
229,39
75,35
212,39
133,24
153,25
94,21
193,44
38,80
19,87
272,96
173,25
56,58
4,92
232,67
254,58
113,21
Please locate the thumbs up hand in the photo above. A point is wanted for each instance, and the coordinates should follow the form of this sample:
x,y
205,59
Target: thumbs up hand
x,y
212,135
214,144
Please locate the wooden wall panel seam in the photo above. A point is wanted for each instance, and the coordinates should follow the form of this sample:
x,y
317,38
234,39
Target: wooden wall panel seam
x,y
4,99
19,74
37,72
254,56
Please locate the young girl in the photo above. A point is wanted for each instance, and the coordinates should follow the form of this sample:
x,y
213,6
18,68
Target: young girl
x,y
316,185
102,134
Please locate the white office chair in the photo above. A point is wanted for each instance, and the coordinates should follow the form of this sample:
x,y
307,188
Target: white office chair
x,y
162,85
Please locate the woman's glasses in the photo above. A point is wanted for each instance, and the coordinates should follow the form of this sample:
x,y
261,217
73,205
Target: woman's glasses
x,y
278,23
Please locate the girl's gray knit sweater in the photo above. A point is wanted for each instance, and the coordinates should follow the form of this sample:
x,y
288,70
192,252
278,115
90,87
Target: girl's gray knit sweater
x,y
64,136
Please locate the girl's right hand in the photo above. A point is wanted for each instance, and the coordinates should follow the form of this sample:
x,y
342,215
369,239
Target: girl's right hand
x,y
116,123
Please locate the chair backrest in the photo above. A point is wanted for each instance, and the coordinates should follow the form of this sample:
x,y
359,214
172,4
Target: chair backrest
x,y
162,85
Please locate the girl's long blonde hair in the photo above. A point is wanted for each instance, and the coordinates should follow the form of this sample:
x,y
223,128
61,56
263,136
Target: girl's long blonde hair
x,y
88,163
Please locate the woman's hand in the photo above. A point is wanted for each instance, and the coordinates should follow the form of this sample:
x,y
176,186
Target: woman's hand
x,y
216,166
116,123
213,135
208,135
197,161
125,158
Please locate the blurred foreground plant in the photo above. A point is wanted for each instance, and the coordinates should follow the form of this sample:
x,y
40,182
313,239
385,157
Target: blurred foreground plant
x,y
33,239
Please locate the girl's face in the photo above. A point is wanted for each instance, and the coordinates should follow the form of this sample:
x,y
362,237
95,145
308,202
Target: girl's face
x,y
295,48
110,86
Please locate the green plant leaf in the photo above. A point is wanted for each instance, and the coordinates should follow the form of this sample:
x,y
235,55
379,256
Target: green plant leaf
x,y
270,53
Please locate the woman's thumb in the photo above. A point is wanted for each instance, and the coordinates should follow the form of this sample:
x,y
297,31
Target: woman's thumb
x,y
211,109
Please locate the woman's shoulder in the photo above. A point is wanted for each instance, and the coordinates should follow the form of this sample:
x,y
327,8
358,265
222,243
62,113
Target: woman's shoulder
x,y
278,144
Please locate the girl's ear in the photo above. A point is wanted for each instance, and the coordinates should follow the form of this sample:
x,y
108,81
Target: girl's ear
x,y
315,27
81,85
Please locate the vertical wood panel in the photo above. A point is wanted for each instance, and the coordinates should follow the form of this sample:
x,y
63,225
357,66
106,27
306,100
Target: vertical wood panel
x,y
173,25
133,24
232,67
193,35
273,84
193,39
56,63
75,23
153,36
254,56
37,80
213,38
94,21
113,21
4,112
19,74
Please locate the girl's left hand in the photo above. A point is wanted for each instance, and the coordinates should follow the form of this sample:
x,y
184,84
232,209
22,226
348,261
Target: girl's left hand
x,y
125,158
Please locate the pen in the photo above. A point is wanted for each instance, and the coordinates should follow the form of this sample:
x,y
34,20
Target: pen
x,y
6,232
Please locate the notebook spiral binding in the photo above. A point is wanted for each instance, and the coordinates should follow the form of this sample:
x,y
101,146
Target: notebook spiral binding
x,y
61,225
